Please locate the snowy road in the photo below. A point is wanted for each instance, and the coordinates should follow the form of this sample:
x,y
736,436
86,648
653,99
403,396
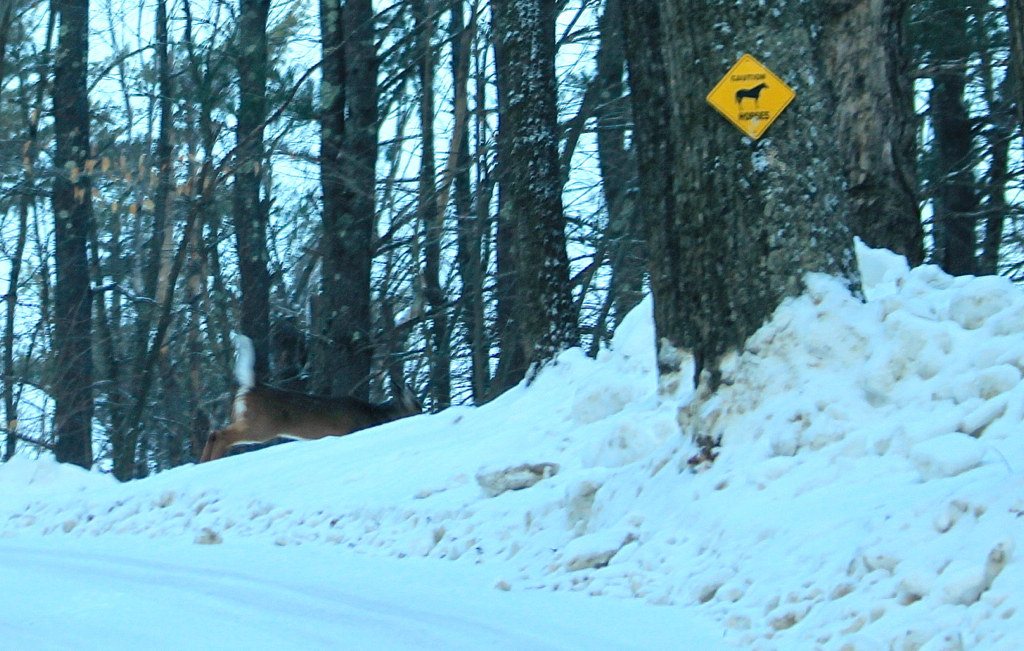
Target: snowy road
x,y
125,595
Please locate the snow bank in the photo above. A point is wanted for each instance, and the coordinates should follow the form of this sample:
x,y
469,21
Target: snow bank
x,y
867,493
38,478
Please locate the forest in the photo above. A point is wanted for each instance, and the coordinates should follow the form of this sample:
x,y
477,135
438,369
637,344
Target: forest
x,y
445,194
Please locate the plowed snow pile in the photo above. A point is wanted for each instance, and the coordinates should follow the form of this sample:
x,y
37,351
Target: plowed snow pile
x,y
867,493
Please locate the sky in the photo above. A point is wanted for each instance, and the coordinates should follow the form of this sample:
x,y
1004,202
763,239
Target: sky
x,y
866,496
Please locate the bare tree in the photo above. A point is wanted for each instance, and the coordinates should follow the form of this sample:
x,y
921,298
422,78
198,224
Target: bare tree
x,y
999,100
952,179
11,299
72,209
342,345
618,169
470,223
542,310
250,212
431,211
156,284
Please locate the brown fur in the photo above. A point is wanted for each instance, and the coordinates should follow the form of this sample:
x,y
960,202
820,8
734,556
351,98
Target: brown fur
x,y
269,412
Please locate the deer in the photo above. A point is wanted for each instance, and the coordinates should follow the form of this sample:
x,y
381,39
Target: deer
x,y
262,412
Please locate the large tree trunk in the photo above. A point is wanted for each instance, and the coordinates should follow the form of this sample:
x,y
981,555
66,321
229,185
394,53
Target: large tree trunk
x,y
506,326
250,213
868,63
618,168
648,83
163,158
362,145
327,305
743,221
197,339
531,187
951,185
72,209
204,263
470,223
343,347
431,215
956,201
1001,118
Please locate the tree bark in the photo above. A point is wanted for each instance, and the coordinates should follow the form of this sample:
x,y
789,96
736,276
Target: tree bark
x,y
618,168
730,242
197,338
506,326
162,247
343,346
944,40
996,208
656,165
327,305
72,208
1001,119
868,64
469,227
956,201
431,215
531,188
249,211
362,146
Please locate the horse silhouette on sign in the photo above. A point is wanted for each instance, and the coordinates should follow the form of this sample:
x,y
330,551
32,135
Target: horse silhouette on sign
x,y
752,93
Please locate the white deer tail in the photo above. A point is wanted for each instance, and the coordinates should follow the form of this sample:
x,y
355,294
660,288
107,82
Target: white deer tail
x,y
245,360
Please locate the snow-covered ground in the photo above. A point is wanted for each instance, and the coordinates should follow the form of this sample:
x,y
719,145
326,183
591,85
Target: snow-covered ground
x,y
866,496
162,596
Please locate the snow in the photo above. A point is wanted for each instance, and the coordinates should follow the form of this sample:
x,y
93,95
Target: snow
x,y
102,595
867,495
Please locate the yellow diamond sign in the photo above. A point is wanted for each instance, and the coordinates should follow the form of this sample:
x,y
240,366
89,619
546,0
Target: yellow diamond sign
x,y
751,96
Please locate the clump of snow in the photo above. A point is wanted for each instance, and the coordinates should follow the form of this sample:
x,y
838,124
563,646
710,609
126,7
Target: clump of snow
x,y
947,455
595,550
973,304
868,491
516,478
208,537
882,272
